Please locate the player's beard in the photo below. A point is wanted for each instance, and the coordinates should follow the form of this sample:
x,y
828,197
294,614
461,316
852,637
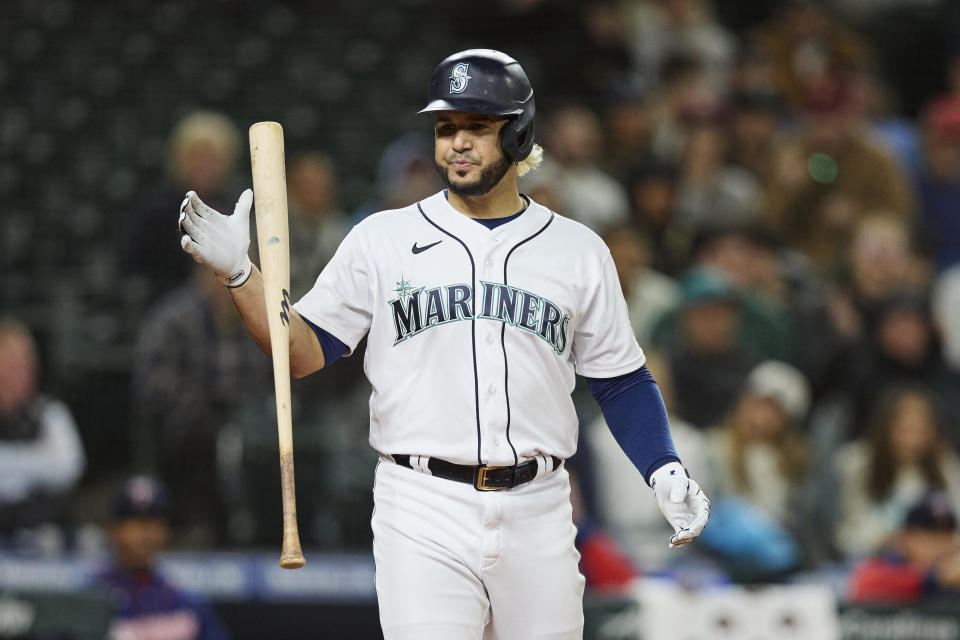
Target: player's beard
x,y
489,178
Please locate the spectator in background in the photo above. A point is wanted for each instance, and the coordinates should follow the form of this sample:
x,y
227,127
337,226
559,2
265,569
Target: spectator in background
x,y
921,562
789,316
317,224
700,342
684,97
713,191
882,475
147,605
879,263
570,170
750,254
757,451
194,366
626,123
903,348
649,294
938,186
759,461
659,29
652,190
41,455
732,252
202,153
804,44
831,176
754,131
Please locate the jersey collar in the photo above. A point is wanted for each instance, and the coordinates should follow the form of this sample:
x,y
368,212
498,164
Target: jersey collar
x,y
442,213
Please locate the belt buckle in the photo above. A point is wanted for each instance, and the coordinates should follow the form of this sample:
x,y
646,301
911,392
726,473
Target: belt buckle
x,y
480,479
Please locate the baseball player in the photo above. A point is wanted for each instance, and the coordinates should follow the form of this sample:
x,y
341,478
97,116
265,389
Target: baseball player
x,y
479,306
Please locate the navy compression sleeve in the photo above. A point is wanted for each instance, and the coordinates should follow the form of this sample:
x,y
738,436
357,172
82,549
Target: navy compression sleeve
x,y
637,418
333,349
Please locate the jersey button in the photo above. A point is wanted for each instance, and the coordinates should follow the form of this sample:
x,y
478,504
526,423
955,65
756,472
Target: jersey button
x,y
492,390
489,262
490,339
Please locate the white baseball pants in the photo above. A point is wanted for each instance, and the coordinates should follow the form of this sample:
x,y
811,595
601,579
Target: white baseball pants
x,y
454,563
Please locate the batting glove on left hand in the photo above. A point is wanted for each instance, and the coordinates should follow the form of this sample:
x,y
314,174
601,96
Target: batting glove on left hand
x,y
682,502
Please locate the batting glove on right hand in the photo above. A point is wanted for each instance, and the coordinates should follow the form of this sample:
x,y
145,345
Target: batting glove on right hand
x,y
217,240
682,502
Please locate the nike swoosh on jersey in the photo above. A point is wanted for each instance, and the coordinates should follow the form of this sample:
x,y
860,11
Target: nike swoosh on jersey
x,y
417,249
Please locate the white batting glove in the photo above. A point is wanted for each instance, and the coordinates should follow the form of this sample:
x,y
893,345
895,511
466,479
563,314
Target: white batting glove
x,y
217,240
682,502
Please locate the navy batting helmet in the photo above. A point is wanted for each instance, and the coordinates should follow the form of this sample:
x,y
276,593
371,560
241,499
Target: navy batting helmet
x,y
491,82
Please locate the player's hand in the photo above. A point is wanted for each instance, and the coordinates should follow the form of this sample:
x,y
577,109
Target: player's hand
x,y
217,240
682,502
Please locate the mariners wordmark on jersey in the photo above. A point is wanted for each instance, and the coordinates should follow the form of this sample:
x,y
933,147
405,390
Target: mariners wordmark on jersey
x,y
417,309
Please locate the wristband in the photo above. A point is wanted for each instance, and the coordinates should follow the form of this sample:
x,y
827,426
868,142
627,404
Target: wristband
x,y
240,277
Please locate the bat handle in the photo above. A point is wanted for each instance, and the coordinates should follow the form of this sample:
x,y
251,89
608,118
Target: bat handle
x,y
291,556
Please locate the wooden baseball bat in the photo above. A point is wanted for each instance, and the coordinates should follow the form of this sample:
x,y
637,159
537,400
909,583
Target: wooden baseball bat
x,y
273,238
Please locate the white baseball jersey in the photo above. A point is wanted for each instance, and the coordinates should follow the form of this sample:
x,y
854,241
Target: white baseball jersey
x,y
475,335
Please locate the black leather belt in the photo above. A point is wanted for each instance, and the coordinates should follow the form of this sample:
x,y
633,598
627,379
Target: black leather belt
x,y
482,478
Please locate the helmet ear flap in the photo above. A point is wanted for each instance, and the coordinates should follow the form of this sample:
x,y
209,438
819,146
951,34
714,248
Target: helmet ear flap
x,y
516,137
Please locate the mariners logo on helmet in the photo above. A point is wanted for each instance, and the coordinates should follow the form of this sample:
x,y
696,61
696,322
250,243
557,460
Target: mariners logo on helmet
x,y
459,78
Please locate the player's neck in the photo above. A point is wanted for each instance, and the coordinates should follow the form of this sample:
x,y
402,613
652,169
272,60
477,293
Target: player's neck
x,y
501,201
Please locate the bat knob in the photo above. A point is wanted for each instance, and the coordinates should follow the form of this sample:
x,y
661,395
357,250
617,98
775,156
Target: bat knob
x,y
292,561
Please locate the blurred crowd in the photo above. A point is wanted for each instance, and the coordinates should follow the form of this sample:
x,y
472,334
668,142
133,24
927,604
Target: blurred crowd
x,y
787,234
